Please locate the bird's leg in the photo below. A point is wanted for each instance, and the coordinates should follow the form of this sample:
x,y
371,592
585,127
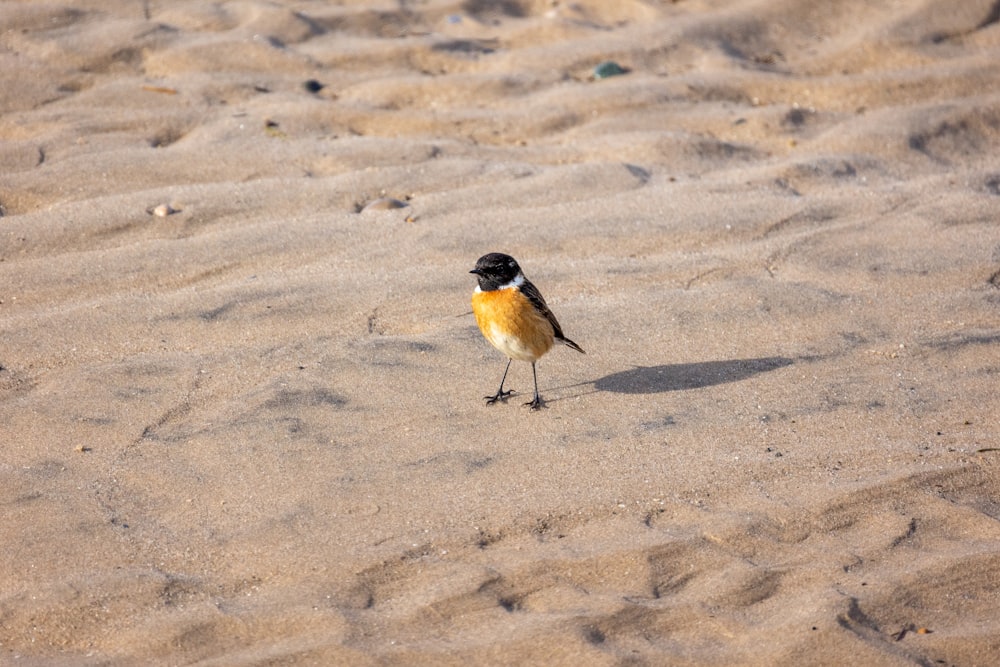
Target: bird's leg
x,y
501,395
537,402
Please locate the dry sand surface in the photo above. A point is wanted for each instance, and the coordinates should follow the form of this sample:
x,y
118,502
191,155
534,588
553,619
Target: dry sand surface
x,y
248,427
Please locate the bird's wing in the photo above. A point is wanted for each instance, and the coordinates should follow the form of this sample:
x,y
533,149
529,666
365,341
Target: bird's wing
x,y
535,297
529,290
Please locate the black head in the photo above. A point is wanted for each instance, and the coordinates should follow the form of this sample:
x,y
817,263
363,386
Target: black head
x,y
495,270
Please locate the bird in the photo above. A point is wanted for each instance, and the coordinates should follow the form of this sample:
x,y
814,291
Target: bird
x,y
513,317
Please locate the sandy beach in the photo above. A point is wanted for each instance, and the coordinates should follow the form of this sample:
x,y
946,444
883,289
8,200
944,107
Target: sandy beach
x,y
241,386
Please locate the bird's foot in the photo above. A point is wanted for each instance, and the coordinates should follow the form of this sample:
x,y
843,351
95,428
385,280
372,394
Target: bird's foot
x,y
537,403
501,396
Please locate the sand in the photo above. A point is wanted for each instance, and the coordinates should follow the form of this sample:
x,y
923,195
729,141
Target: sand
x,y
241,406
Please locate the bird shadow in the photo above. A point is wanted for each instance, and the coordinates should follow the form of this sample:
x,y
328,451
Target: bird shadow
x,y
678,377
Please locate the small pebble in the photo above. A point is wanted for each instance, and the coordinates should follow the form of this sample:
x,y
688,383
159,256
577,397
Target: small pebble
x,y
313,86
272,128
384,204
607,69
163,210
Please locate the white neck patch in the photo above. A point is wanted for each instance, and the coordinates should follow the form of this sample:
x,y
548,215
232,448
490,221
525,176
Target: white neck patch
x,y
516,282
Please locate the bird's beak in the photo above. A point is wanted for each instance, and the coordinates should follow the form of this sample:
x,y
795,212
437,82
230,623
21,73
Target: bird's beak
x,y
476,271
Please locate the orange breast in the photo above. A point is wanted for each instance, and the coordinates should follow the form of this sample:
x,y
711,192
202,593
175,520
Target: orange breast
x,y
509,321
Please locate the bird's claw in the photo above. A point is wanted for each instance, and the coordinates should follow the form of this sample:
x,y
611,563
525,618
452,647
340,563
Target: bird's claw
x,y
501,396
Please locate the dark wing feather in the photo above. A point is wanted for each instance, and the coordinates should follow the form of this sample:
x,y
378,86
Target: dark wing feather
x,y
535,297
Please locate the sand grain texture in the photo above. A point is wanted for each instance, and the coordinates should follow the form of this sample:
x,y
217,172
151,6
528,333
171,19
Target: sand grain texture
x,y
251,431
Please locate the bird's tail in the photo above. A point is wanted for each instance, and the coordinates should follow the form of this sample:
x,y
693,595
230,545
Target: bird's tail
x,y
568,343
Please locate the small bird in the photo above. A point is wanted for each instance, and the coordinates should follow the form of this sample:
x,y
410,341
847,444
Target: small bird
x,y
512,315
